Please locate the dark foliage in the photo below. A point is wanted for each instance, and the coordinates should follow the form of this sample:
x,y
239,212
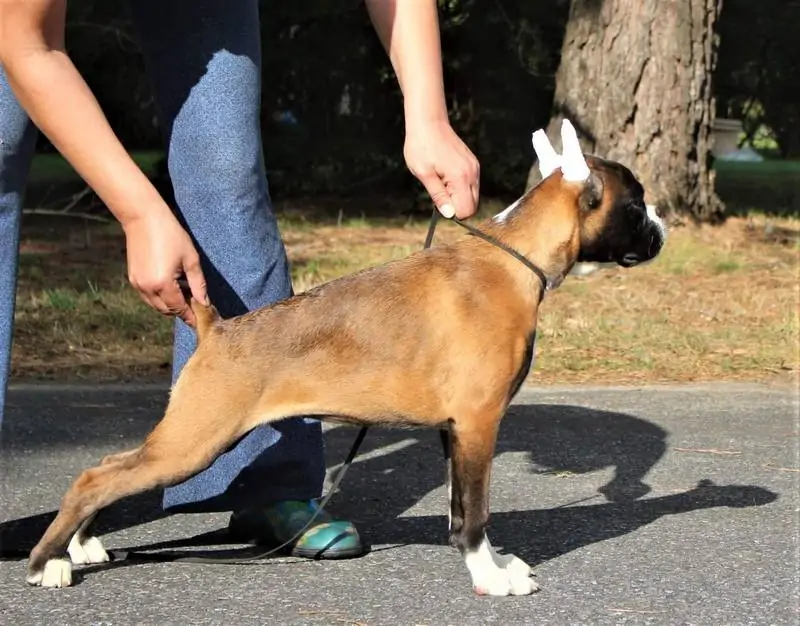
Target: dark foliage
x,y
759,62
324,68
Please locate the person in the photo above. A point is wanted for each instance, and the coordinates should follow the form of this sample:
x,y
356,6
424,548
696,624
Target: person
x,y
203,60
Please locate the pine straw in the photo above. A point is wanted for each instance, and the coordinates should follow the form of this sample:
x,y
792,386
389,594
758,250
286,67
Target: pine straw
x,y
720,303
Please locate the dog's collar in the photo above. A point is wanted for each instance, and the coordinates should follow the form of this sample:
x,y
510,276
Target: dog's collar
x,y
499,244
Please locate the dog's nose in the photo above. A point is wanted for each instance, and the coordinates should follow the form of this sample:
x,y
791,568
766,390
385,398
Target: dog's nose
x,y
631,259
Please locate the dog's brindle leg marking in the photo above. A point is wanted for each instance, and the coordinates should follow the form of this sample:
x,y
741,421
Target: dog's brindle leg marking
x,y
473,443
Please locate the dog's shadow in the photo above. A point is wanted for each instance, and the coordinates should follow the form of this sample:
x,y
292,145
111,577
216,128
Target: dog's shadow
x,y
554,439
397,468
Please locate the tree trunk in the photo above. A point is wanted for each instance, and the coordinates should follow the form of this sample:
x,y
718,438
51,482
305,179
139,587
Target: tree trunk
x,y
635,80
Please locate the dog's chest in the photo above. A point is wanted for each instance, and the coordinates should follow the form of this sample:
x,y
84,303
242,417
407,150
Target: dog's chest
x,y
525,366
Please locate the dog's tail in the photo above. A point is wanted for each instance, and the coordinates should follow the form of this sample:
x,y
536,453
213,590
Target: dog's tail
x,y
206,316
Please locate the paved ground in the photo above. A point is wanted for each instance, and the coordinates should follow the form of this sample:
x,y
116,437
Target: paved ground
x,y
700,525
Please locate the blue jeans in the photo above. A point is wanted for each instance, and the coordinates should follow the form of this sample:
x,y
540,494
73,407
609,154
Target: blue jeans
x,y
203,60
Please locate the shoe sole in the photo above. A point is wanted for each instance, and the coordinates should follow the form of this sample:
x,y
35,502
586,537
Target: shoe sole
x,y
331,554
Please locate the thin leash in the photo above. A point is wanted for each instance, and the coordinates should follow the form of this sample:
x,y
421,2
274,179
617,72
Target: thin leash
x,y
351,455
182,557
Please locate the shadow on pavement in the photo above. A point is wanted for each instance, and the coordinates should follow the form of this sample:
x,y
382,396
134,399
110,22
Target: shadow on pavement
x,y
406,465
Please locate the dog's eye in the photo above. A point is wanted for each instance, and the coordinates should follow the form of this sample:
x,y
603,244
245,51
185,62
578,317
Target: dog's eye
x,y
592,202
592,195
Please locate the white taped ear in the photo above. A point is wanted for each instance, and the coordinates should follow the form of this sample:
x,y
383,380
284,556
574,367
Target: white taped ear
x,y
549,161
573,163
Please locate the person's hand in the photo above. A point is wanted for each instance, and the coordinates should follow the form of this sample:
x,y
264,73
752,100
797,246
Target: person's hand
x,y
445,166
159,252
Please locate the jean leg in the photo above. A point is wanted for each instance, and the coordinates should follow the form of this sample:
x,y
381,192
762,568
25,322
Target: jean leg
x,y
203,58
17,143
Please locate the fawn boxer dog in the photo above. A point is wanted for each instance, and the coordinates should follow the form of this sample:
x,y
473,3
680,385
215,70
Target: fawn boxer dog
x,y
441,339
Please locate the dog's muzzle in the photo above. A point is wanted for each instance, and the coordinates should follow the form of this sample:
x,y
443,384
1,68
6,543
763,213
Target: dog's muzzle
x,y
650,240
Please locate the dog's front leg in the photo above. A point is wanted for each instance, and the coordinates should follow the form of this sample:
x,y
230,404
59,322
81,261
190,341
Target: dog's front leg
x,y
473,443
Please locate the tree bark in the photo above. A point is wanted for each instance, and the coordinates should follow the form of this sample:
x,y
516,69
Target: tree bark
x,y
635,80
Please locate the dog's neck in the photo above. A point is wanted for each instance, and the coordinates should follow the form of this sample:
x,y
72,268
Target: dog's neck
x,y
543,227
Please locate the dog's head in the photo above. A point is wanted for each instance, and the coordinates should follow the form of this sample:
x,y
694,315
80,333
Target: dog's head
x,y
615,224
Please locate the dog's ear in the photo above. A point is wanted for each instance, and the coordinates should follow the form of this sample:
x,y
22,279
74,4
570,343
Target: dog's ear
x,y
573,163
549,161
571,160
592,195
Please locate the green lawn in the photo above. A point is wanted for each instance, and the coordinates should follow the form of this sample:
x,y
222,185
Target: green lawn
x,y
52,168
770,186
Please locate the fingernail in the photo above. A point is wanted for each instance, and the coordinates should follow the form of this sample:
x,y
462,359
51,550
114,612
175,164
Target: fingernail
x,y
447,210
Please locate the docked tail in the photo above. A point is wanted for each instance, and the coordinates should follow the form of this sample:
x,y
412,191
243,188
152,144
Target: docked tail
x,y
206,315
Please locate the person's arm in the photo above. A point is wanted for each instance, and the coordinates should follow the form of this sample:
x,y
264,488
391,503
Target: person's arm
x,y
58,100
409,31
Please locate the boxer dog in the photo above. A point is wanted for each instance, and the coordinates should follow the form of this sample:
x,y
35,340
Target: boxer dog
x,y
440,339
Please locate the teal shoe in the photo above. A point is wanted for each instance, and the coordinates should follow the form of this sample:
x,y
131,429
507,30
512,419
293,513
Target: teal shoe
x,y
274,524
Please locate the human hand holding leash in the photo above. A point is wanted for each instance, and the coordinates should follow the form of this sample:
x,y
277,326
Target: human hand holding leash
x,y
409,31
445,166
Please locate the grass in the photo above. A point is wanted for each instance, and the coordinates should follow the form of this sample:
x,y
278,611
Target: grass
x,y
771,185
53,168
719,303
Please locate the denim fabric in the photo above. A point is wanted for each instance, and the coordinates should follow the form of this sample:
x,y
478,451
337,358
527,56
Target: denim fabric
x,y
203,60
17,142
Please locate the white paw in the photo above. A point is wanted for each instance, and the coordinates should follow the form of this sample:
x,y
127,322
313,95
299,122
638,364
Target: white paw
x,y
512,564
90,550
498,574
56,573
503,582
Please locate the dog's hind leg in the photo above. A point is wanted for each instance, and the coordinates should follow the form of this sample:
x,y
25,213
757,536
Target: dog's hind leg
x,y
493,574
84,548
185,442
67,532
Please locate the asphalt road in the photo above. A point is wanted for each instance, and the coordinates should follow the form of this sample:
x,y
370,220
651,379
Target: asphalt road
x,y
700,525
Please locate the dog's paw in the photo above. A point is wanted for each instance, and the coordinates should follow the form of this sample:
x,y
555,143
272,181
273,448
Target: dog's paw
x,y
496,574
86,551
503,582
56,573
512,564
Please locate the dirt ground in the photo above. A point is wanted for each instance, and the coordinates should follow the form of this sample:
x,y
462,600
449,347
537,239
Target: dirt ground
x,y
719,303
